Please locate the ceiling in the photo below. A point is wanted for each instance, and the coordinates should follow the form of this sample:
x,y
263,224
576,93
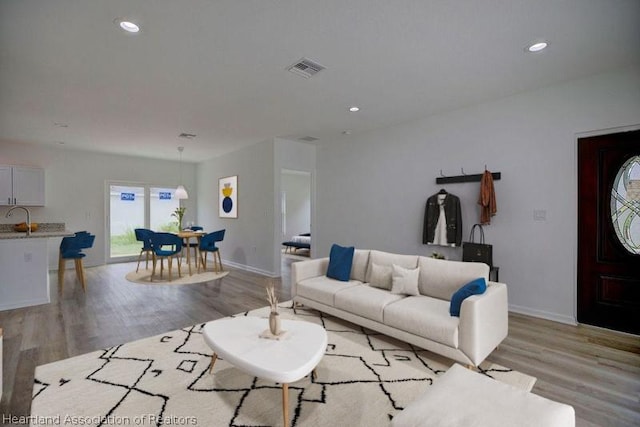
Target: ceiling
x,y
217,68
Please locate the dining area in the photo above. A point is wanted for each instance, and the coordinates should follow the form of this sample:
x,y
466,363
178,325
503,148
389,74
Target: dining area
x,y
191,244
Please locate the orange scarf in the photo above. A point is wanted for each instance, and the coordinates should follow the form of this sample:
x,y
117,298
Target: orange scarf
x,y
487,199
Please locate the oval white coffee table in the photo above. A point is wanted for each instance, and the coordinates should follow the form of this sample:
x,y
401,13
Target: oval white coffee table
x,y
284,361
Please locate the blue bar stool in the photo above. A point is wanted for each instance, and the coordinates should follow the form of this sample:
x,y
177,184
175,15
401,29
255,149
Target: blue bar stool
x,y
71,248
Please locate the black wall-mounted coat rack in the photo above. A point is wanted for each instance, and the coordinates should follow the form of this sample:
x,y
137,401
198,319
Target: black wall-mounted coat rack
x,y
442,179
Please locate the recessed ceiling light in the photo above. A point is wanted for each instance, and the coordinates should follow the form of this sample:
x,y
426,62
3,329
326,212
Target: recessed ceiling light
x,y
537,47
354,109
346,132
129,26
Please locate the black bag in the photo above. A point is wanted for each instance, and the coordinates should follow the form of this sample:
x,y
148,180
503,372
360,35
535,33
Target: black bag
x,y
477,252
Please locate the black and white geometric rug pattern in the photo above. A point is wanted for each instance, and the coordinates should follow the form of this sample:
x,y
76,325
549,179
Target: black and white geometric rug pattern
x,y
365,378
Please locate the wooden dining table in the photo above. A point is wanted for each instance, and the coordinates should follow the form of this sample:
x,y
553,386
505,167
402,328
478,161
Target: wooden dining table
x,y
187,235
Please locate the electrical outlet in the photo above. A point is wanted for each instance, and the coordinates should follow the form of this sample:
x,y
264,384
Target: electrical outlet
x,y
539,215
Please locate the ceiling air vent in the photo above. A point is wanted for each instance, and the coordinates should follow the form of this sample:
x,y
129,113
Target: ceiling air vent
x,y
306,68
187,135
308,139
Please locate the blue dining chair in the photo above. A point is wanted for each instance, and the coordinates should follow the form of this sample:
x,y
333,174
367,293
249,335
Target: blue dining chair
x,y
208,244
142,235
165,245
71,248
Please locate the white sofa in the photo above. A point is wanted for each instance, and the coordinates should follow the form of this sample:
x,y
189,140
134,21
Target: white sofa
x,y
422,320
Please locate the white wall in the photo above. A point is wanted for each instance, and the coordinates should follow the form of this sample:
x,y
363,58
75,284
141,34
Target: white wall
x,y
75,187
297,189
252,241
372,187
248,241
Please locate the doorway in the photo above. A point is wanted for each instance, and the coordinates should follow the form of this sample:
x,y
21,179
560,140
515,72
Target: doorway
x,y
609,231
295,212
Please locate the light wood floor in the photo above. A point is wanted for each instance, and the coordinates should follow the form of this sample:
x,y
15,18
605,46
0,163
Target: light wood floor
x,y
594,370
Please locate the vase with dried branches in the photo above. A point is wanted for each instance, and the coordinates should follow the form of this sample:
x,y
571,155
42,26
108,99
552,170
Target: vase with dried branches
x,y
274,316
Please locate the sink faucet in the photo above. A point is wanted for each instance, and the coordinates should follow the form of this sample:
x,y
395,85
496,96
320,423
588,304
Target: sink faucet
x,y
28,217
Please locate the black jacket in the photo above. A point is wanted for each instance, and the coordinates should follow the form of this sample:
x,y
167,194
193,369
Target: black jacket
x,y
453,215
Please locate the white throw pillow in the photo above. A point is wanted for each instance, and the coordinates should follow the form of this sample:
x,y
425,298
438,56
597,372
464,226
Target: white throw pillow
x,y
380,276
404,281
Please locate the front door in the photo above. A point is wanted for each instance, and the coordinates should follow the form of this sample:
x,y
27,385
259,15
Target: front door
x,y
609,231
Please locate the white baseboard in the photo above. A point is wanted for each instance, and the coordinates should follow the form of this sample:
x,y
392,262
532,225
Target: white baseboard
x,y
24,303
569,320
248,268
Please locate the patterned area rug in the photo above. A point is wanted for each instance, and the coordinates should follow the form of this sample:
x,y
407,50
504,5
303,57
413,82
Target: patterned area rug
x,y
365,378
142,277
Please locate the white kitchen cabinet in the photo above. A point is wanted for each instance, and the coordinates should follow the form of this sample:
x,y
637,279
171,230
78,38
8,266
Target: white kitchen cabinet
x,y
6,186
21,185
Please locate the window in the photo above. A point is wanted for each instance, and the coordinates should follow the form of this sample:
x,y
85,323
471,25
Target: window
x,y
138,206
625,205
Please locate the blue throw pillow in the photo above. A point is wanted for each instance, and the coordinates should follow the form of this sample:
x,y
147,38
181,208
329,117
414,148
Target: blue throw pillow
x,y
474,287
340,261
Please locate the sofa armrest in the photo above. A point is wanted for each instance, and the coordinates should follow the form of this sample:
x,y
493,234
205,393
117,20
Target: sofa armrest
x,y
305,270
484,322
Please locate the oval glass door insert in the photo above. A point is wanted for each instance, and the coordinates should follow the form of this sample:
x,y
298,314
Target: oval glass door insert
x,y
625,205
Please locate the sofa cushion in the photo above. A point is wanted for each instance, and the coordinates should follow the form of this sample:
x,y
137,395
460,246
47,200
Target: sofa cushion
x,y
359,267
474,287
424,316
441,278
365,301
404,281
380,276
388,259
323,289
340,261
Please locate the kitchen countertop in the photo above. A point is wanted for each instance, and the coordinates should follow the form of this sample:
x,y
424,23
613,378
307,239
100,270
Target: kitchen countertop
x,y
35,234
45,230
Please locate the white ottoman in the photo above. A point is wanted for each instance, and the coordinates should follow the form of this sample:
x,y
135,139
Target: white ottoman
x,y
0,363
465,398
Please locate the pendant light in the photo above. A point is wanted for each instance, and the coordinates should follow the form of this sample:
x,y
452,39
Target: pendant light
x,y
181,192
